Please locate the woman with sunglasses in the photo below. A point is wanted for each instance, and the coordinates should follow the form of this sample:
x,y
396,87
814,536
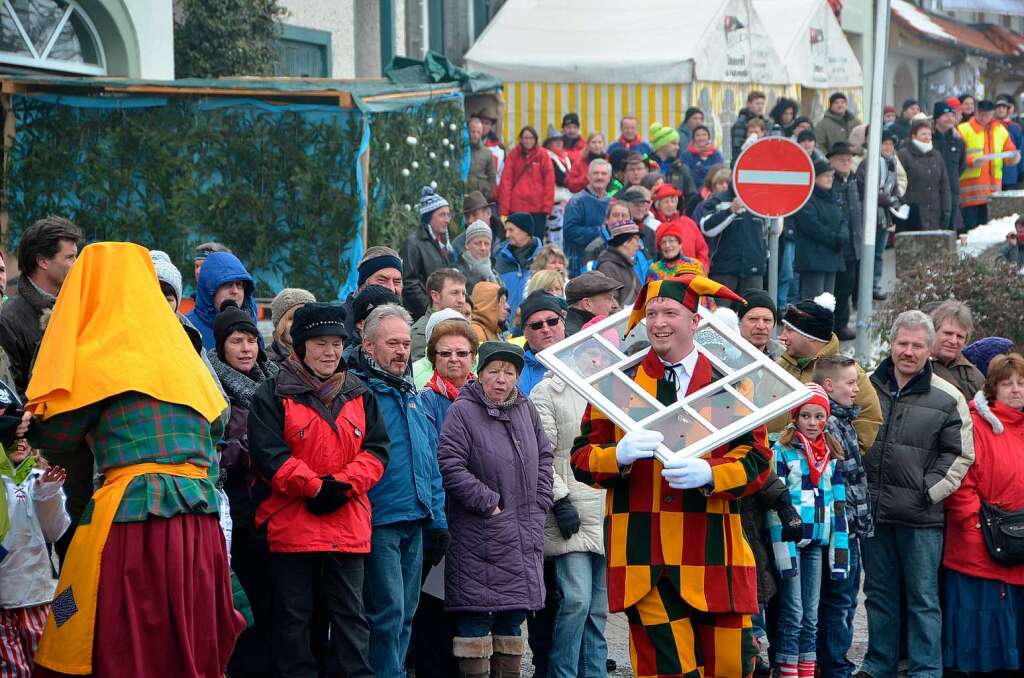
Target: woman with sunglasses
x,y
451,348
496,463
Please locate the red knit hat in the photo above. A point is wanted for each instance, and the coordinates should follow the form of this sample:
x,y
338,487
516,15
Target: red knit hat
x,y
665,191
674,227
818,397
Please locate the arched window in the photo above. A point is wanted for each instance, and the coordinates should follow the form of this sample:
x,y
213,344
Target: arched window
x,y
53,35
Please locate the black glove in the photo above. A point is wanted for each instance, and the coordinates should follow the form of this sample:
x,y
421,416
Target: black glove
x,y
567,517
792,525
331,497
435,545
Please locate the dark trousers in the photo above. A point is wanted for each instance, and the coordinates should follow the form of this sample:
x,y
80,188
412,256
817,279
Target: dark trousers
x,y
541,624
974,216
294,578
252,656
846,290
433,629
740,284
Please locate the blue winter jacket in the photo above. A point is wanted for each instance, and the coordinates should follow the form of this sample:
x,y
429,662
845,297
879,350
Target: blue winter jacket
x,y
699,166
533,372
512,275
436,407
219,268
1011,173
411,488
581,223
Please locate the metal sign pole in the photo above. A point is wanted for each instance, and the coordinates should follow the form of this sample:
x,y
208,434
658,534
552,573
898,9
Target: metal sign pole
x,y
873,159
773,260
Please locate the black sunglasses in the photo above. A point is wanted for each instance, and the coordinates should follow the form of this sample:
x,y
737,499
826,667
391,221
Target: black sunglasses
x,y
550,322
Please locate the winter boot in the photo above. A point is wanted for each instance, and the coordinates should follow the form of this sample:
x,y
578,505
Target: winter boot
x,y
473,656
508,656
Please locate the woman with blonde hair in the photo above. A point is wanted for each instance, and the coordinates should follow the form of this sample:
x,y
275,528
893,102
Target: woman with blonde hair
x,y
551,257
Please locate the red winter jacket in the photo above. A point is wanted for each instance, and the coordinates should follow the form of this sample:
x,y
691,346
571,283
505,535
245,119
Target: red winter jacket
x,y
527,182
295,439
997,476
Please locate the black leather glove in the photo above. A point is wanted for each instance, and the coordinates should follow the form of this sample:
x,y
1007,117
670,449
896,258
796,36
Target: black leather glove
x,y
435,545
566,517
332,496
792,525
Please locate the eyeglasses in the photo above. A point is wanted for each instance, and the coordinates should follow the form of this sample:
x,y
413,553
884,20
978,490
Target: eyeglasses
x,y
550,322
448,354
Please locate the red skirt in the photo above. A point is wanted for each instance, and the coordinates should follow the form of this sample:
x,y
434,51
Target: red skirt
x,y
164,606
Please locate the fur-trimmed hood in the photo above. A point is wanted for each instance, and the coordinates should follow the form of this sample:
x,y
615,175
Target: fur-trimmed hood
x,y
997,416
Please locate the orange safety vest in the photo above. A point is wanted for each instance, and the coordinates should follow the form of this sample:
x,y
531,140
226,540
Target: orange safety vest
x,y
977,184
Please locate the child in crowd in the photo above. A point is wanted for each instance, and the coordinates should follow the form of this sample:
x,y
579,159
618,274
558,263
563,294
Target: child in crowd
x,y
34,516
806,458
837,375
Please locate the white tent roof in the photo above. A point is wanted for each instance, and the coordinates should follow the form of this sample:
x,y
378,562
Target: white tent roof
x,y
811,42
639,42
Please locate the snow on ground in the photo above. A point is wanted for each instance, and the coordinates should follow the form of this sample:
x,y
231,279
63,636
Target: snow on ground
x,y
987,235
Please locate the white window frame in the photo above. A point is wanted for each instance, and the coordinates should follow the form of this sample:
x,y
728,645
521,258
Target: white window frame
x,y
717,436
40,59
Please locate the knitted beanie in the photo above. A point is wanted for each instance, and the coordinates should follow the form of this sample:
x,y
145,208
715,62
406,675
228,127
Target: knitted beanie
x,y
286,300
430,202
818,397
166,271
478,229
662,135
983,351
813,318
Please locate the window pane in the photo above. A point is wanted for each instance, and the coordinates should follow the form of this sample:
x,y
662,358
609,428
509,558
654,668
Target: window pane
x,y
762,387
589,357
721,408
39,18
723,349
679,429
625,394
67,47
89,50
10,38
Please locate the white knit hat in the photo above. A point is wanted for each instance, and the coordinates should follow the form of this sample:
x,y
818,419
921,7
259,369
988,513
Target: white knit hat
x,y
438,317
478,229
166,271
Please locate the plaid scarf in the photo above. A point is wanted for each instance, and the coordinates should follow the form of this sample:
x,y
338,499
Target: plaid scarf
x,y
444,387
324,389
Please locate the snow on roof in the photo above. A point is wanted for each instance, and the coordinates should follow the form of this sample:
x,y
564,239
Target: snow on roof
x,y
919,20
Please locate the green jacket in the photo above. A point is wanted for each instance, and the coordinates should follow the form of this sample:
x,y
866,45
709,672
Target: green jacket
x,y
834,128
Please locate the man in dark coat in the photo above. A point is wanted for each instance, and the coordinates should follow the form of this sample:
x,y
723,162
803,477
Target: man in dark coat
x,y
588,295
921,455
844,188
426,249
820,238
950,145
736,238
46,253
901,128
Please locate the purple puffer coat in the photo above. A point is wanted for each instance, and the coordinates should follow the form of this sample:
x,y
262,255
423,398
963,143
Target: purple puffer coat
x,y
489,458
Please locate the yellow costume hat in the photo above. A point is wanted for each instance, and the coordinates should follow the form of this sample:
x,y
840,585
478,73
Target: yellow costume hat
x,y
112,332
687,289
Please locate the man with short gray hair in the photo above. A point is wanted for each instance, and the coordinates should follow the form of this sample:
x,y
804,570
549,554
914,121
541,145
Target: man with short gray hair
x,y
584,213
409,525
921,455
954,326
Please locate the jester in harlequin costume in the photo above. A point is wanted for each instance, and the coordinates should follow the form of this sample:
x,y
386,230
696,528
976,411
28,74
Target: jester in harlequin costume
x,y
678,563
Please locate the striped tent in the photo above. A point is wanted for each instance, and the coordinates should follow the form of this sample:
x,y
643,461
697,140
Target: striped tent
x,y
677,54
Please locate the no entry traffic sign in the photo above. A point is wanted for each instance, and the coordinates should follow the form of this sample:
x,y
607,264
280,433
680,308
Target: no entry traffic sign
x,y
774,177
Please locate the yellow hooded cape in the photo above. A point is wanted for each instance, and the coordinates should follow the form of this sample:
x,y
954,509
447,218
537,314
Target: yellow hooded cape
x,y
111,332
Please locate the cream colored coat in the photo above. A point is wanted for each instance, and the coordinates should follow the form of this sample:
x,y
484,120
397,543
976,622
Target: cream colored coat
x,y
561,411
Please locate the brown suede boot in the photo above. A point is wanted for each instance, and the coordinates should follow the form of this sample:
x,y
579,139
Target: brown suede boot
x,y
473,656
508,656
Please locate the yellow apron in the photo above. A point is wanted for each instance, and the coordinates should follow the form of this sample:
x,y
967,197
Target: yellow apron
x,y
67,646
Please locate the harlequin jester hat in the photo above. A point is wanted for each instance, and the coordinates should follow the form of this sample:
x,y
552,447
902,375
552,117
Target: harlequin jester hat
x,y
687,289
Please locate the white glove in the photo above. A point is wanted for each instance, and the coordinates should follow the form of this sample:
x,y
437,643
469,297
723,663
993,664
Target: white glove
x,y
637,445
687,474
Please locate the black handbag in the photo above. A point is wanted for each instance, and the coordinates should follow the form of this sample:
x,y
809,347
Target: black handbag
x,y
1004,534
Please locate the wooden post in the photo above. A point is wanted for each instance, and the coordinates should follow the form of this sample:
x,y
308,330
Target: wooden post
x,y
9,131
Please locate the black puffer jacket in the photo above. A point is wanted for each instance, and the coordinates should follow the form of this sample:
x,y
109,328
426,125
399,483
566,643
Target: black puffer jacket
x,y
753,509
923,450
421,256
820,236
951,147
737,241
